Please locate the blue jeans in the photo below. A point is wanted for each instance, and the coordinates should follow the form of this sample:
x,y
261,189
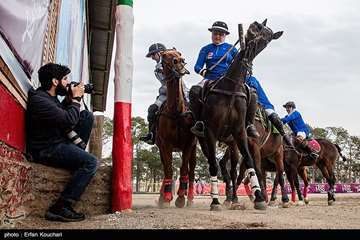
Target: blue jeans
x,y
68,156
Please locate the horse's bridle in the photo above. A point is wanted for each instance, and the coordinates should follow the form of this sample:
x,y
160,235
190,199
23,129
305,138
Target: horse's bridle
x,y
171,66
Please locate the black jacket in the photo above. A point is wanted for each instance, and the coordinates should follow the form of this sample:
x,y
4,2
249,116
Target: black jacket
x,y
47,120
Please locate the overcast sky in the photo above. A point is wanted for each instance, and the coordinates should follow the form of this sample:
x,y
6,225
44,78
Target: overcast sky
x,y
315,63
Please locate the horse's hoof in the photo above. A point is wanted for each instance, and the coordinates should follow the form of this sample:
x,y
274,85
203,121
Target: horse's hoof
x,y
163,205
227,204
252,198
260,205
286,204
300,203
306,201
180,202
215,207
331,202
190,203
237,206
272,203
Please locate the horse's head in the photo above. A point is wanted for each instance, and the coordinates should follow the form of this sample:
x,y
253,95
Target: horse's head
x,y
173,63
258,37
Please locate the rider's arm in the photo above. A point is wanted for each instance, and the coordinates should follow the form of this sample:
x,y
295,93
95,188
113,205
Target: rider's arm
x,y
289,118
201,60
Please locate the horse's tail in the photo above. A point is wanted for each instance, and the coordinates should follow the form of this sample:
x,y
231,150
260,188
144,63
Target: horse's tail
x,y
339,150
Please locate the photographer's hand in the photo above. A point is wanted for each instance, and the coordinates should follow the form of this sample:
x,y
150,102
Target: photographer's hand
x,y
78,91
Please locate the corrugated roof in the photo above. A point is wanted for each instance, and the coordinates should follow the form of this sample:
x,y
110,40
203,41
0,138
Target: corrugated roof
x,y
101,15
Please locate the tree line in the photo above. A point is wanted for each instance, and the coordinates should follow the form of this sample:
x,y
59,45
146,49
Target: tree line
x,y
147,171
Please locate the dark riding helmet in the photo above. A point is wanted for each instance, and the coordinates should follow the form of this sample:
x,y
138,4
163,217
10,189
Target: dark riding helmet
x,y
289,104
219,26
155,48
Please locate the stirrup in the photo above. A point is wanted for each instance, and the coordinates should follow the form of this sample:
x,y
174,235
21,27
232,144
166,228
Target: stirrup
x,y
198,132
314,155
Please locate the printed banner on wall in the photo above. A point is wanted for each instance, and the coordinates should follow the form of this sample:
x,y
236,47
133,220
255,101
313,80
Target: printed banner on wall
x,y
23,26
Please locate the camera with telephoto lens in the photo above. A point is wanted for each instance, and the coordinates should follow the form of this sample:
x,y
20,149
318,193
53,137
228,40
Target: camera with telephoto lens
x,y
88,88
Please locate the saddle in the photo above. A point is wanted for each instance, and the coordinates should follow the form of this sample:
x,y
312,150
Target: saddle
x,y
314,145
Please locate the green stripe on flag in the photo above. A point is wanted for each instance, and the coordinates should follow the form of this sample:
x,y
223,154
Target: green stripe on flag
x,y
125,2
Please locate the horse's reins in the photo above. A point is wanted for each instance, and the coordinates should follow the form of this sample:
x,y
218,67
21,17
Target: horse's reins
x,y
173,75
222,58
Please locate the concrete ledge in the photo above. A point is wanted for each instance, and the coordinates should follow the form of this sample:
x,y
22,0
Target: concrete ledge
x,y
47,183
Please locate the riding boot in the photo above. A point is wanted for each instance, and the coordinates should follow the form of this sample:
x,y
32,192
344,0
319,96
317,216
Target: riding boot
x,y
250,115
150,137
195,106
275,119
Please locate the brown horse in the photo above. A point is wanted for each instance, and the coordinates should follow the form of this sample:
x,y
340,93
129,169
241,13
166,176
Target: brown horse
x,y
173,133
296,161
225,107
267,152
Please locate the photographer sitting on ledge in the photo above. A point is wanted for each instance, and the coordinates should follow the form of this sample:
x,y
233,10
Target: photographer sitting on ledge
x,y
57,134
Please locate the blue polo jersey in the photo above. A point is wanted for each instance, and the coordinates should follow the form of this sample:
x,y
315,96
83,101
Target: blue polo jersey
x,y
263,100
296,123
211,54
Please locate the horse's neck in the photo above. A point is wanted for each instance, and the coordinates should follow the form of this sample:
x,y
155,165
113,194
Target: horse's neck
x,y
235,75
175,98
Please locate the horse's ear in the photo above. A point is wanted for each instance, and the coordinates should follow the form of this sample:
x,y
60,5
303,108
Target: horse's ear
x,y
264,22
277,34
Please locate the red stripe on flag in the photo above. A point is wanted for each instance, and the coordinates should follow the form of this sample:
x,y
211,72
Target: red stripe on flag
x,y
122,157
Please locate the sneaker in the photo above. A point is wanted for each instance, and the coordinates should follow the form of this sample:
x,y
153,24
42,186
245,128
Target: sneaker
x,y
251,131
64,214
149,138
198,129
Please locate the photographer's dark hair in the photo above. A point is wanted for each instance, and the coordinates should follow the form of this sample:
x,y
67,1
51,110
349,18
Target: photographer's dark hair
x,y
50,71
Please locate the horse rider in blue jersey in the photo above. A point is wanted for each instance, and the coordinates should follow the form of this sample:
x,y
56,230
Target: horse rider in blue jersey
x,y
298,126
210,56
216,65
263,100
154,53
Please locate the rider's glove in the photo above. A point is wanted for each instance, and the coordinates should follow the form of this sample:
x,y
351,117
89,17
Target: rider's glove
x,y
203,72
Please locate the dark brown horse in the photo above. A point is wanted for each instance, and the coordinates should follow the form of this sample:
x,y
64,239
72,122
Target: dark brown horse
x,y
296,161
267,152
173,133
225,107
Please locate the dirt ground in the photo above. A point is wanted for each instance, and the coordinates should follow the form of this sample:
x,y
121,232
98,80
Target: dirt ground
x,y
344,214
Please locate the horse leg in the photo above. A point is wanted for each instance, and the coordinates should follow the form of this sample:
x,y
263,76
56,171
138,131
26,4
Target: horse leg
x,y
242,178
226,177
234,157
330,181
192,165
278,156
242,142
166,187
298,190
274,190
291,178
208,147
303,175
184,179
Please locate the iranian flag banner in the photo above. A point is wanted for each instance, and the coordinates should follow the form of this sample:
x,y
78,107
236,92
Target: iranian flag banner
x,y
122,142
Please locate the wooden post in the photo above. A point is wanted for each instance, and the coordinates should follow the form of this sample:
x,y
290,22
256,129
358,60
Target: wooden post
x,y
95,143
